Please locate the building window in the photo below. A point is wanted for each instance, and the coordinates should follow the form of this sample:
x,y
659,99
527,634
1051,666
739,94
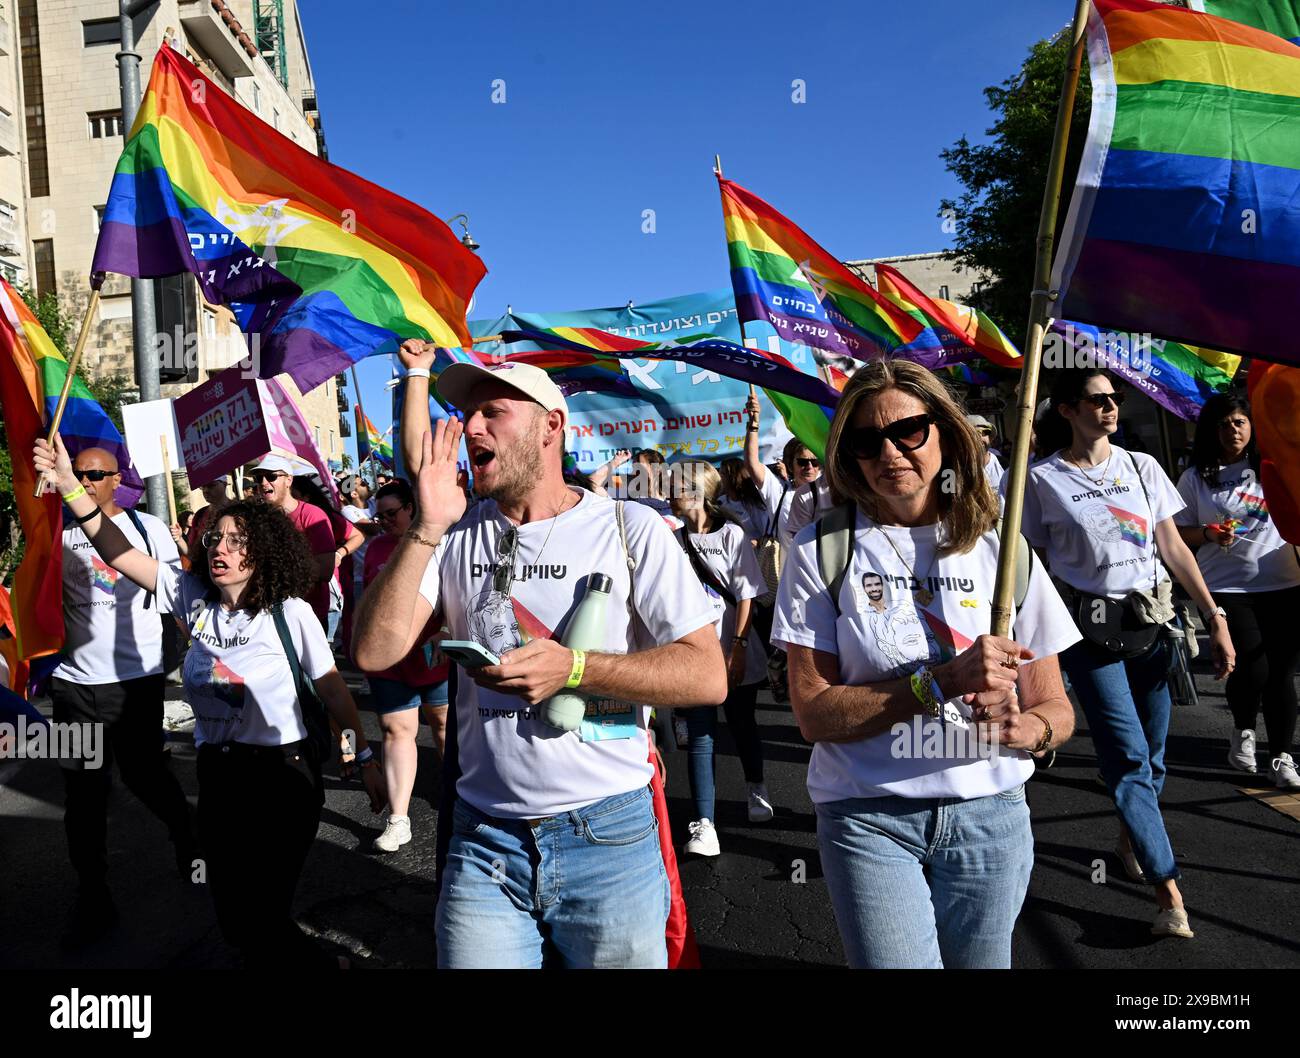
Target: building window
x,y
331,440
943,292
257,98
29,30
976,287
317,429
99,218
275,118
104,123
43,252
101,31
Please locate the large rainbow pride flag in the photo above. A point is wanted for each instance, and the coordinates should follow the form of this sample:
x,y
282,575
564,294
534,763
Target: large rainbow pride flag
x,y
321,267
783,278
1279,17
1185,222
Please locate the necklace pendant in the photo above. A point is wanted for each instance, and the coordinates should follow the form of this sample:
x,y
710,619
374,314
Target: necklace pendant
x,y
924,596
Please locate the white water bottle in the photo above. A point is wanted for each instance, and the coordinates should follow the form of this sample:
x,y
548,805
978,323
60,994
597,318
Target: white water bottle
x,y
586,631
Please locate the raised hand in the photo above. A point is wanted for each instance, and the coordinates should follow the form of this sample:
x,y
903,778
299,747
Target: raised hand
x,y
439,485
415,352
53,466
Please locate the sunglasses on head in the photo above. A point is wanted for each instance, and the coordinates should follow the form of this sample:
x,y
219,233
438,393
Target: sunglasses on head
x,y
93,475
507,550
907,435
1103,400
261,476
805,463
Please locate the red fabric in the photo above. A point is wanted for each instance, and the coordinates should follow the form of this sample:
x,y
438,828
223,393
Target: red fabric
x,y
683,954
413,670
315,525
1274,392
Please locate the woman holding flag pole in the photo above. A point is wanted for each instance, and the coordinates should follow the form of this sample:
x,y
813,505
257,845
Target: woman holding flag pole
x,y
1105,519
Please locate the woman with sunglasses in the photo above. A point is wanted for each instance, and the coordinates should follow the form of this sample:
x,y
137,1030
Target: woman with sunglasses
x,y
1105,518
727,567
923,723
1253,574
260,790
417,684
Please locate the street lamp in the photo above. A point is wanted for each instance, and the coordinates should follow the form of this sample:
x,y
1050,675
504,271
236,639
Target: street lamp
x,y
466,240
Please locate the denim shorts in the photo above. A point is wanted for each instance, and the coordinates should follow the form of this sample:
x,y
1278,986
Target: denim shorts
x,y
393,696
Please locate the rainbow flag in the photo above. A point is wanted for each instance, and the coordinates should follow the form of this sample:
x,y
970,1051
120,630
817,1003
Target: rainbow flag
x,y
1179,377
782,277
371,444
85,424
1132,527
1279,17
321,267
1185,221
1254,506
16,668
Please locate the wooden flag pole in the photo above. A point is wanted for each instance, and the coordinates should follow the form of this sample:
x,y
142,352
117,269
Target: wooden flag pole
x,y
67,382
167,480
753,393
1040,305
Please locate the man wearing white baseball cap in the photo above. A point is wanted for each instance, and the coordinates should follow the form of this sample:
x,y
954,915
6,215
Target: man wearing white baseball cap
x,y
992,467
272,479
554,852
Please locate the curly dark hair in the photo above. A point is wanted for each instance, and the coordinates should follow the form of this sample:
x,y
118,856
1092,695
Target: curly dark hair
x,y
277,551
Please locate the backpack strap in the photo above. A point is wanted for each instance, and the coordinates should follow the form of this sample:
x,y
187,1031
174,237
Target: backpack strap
x,y
771,523
701,568
286,641
835,547
148,548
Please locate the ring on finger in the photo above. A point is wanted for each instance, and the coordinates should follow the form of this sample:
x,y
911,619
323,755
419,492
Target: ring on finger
x,y
1011,662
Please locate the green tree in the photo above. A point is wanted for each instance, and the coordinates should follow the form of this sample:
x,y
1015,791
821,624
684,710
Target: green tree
x,y
996,216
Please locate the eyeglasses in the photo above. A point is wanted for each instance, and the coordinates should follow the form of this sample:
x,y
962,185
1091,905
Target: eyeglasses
x,y
266,475
507,549
907,435
806,463
1103,400
390,515
94,475
212,540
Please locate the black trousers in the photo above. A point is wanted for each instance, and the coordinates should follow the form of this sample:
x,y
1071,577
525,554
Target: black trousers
x,y
259,807
1263,629
132,715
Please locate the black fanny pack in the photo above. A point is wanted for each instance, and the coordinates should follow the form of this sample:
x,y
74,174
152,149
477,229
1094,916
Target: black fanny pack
x,y
1112,625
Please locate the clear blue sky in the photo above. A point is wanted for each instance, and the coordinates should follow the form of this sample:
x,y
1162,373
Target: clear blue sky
x,y
612,109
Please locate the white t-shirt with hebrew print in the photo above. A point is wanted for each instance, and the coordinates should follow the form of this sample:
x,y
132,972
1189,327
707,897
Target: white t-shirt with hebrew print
x,y
731,558
808,503
885,631
512,764
237,677
1259,560
111,635
1100,538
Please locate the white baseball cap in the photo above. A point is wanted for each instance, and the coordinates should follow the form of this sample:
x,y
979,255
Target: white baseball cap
x,y
456,382
292,467
979,422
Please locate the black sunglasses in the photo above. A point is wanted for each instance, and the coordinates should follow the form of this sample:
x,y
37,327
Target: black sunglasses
x,y
507,549
383,516
94,475
1103,400
265,475
809,462
907,435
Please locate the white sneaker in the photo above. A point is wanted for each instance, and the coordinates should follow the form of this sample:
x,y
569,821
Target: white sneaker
x,y
396,834
1284,774
704,839
1242,754
680,732
760,804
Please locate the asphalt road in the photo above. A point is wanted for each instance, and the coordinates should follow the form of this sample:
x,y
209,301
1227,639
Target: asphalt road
x,y
761,904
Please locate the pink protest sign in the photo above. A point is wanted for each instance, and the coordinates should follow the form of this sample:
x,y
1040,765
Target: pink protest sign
x,y
222,426
290,433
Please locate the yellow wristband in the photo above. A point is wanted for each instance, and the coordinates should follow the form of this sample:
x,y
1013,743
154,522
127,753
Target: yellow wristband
x,y
579,667
80,490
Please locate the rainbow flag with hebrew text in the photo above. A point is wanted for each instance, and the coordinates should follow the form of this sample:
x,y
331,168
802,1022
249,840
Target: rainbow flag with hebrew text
x,y
322,266
1185,221
784,278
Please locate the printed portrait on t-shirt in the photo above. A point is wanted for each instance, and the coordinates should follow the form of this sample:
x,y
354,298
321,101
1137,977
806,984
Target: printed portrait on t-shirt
x,y
492,622
874,595
902,636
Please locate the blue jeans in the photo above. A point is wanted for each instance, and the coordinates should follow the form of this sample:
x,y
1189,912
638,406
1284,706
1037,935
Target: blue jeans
x,y
702,726
1127,706
394,696
927,883
585,889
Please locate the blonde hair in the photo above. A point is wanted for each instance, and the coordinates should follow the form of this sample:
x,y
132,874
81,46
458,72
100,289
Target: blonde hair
x,y
699,477
968,507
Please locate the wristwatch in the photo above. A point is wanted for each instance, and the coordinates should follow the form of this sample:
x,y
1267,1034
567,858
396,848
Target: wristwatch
x,y
1217,611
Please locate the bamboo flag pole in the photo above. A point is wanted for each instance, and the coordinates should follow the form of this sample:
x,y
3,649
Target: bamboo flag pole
x,y
167,480
753,392
67,382
1039,312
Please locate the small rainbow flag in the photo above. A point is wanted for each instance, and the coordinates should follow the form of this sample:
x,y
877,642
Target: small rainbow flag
x,y
103,576
1254,506
1132,527
371,444
784,278
324,267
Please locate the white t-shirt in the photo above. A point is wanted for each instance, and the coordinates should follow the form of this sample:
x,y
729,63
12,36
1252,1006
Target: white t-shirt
x,y
1260,560
884,631
994,472
512,764
356,515
237,678
807,503
109,634
731,558
751,515
777,497
1100,538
